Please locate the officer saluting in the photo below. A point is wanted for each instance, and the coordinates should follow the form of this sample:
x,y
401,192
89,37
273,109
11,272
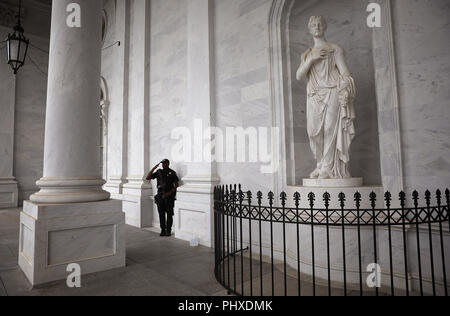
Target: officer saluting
x,y
167,191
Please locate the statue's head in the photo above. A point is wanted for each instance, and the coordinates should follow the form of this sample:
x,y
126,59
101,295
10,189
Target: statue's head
x,y
317,26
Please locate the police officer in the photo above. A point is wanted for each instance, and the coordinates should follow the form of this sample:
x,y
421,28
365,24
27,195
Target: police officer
x,y
165,199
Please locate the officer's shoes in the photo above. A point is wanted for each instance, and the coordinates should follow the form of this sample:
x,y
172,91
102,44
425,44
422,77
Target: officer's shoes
x,y
163,233
168,233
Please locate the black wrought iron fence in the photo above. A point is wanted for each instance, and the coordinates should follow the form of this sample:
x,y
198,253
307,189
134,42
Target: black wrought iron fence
x,y
265,250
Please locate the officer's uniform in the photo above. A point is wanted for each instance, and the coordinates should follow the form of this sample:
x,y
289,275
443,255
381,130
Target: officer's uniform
x,y
166,181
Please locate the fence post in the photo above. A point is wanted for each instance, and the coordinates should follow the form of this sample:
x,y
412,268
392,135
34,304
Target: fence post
x,y
344,255
358,216
388,199
419,256
223,231
326,200
297,204
402,197
447,196
259,197
373,203
241,236
283,197
234,233
312,198
441,235
430,236
271,197
228,234
250,218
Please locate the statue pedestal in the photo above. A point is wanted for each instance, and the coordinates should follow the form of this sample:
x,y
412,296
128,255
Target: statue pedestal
x,y
334,187
333,183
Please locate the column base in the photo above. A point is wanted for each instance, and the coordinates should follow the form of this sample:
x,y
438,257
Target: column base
x,y
70,190
114,185
194,209
54,236
8,193
137,204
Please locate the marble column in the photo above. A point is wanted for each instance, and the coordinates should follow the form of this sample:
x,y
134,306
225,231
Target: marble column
x,y
388,102
8,183
71,219
72,137
194,208
137,204
118,112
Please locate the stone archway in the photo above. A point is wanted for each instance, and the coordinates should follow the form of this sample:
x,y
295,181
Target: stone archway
x,y
383,94
279,96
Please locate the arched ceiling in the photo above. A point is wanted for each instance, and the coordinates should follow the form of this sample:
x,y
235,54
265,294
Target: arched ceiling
x,y
44,2
31,4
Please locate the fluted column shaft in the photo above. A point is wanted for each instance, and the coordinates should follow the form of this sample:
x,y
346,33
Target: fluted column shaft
x,y
72,133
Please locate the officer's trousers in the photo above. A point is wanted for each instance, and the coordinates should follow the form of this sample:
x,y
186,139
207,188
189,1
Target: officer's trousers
x,y
165,210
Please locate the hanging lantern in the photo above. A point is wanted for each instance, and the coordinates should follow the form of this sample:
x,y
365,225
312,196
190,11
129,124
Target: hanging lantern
x,y
17,45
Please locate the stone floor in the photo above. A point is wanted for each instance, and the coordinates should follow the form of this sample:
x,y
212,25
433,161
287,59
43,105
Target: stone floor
x,y
155,266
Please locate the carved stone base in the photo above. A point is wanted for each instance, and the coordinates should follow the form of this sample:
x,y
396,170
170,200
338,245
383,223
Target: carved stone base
x,y
333,183
193,215
53,236
349,192
137,205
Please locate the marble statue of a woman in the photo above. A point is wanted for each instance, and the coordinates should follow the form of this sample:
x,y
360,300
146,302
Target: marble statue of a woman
x,y
330,111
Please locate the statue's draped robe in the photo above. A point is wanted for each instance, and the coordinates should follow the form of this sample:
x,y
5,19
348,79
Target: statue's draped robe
x,y
331,115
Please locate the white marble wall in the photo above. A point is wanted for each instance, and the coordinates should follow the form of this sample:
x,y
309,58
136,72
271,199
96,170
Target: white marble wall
x,y
242,89
26,126
388,101
31,98
422,30
138,98
242,96
115,72
108,72
242,80
168,81
147,99
8,185
7,102
168,77
125,68
195,199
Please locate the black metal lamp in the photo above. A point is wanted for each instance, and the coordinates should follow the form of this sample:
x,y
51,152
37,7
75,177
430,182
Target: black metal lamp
x,y
17,45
